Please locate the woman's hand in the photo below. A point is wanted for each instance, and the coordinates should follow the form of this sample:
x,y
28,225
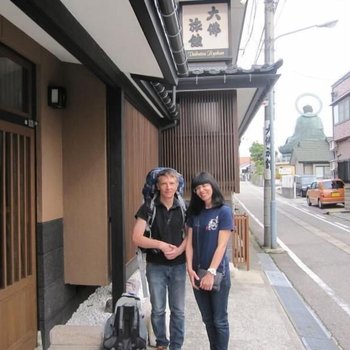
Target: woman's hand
x,y
193,278
207,282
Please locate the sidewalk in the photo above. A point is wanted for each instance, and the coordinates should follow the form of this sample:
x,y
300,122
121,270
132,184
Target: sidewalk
x,y
265,313
257,318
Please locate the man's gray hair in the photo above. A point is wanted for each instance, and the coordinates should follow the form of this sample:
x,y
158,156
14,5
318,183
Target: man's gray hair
x,y
168,172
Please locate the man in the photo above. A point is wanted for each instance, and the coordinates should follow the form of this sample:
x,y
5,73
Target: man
x,y
166,262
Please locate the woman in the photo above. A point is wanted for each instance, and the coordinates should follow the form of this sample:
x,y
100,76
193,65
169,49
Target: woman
x,y
210,224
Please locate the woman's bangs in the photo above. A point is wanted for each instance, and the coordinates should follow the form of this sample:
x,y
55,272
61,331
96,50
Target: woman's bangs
x,y
201,179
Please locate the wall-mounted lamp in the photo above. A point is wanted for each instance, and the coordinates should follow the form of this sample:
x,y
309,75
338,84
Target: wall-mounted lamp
x,y
57,97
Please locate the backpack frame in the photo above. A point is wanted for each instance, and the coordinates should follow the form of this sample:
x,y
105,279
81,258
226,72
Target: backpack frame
x,y
150,193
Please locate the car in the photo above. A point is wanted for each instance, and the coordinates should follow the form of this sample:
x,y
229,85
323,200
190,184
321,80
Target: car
x,y
302,182
326,191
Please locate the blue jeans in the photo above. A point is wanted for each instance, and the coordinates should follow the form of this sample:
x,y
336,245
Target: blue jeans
x,y
171,279
213,308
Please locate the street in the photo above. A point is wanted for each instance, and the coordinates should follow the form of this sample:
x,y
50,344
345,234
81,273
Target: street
x,y
315,254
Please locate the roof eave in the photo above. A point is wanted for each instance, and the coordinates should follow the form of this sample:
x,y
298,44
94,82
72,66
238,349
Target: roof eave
x,y
261,78
148,18
59,23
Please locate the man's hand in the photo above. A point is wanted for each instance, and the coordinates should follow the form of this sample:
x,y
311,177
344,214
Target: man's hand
x,y
170,251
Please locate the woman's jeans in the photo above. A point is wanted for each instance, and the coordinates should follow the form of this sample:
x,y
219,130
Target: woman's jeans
x,y
213,308
171,279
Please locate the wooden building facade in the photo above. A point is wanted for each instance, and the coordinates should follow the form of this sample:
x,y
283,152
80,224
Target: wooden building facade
x,y
206,139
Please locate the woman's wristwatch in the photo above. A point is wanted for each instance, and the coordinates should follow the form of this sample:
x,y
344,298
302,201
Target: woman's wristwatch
x,y
212,271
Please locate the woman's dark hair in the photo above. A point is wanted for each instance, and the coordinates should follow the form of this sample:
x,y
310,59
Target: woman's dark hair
x,y
196,204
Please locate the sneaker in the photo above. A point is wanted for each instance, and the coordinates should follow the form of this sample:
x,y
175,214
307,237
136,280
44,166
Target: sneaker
x,y
162,347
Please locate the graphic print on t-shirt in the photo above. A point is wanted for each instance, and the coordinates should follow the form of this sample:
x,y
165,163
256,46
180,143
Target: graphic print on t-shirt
x,y
213,224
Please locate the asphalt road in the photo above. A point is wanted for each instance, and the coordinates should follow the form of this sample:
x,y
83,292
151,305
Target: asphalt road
x,y
315,254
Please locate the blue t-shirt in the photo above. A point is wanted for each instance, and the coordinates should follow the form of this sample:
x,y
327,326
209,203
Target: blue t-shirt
x,y
205,231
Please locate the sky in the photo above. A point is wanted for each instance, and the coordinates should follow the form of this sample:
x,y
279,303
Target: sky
x,y
313,60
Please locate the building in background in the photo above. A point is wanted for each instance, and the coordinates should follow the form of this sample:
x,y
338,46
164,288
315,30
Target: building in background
x,y
340,146
340,164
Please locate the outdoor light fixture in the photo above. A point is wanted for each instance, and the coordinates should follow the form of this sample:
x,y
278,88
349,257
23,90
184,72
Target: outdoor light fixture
x,y
328,24
57,97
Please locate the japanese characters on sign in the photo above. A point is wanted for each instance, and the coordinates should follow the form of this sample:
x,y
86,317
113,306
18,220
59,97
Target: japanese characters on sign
x,y
267,156
205,31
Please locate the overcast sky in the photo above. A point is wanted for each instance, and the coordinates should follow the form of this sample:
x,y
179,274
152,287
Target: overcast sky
x,y
314,60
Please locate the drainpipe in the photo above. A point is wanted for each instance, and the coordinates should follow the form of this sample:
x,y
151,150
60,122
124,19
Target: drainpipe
x,y
168,11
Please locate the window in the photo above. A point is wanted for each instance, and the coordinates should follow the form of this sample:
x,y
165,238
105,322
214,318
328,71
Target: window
x,y
341,110
333,184
16,84
336,114
344,171
322,171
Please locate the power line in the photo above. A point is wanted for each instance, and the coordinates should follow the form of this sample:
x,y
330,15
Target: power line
x,y
262,36
252,18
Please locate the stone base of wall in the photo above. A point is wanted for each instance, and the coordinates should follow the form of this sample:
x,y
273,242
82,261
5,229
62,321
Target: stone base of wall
x,y
288,192
57,301
73,337
83,337
63,337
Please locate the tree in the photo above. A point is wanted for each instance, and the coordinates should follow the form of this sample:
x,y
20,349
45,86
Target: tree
x,y
257,156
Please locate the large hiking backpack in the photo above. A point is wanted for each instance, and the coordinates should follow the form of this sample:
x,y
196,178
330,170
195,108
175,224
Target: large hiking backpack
x,y
150,193
125,329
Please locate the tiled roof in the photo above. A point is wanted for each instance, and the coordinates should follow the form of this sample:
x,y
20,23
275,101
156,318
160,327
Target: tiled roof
x,y
207,70
244,160
217,76
312,151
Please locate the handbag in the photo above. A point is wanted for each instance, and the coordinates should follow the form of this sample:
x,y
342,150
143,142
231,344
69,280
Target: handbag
x,y
217,279
202,272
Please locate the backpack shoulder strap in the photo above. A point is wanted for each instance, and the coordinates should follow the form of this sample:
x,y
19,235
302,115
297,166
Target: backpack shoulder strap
x,y
154,210
182,205
151,213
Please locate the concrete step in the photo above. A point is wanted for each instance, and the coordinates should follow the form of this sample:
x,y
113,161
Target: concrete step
x,y
72,337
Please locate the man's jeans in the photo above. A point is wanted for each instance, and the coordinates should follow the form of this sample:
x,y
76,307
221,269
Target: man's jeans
x,y
213,308
163,278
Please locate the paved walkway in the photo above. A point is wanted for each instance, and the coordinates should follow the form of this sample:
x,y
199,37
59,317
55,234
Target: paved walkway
x,y
257,318
265,312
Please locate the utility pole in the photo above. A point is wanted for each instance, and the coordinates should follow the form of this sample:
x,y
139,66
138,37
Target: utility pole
x,y
269,139
270,231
